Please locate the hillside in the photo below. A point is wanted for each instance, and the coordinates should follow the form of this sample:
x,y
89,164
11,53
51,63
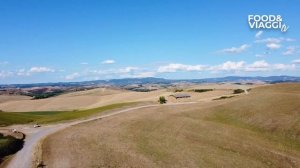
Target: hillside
x,y
151,80
8,98
260,129
270,109
105,96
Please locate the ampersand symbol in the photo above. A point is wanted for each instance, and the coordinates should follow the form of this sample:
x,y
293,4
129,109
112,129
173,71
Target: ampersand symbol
x,y
278,18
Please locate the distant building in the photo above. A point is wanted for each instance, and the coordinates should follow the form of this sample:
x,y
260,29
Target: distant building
x,y
181,95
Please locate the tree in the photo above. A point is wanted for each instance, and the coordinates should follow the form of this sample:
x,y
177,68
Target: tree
x,y
162,100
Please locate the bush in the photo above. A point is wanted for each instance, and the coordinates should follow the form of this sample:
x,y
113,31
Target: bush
x,y
162,100
238,91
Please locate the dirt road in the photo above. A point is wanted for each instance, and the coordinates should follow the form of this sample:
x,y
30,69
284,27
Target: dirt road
x,y
24,157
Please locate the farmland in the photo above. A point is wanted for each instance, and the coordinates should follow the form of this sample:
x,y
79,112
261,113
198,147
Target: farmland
x,y
255,130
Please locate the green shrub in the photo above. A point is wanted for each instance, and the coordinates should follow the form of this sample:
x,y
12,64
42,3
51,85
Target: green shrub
x,y
162,100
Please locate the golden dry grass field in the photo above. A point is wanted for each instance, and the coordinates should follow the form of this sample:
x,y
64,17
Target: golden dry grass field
x,y
9,98
260,129
104,96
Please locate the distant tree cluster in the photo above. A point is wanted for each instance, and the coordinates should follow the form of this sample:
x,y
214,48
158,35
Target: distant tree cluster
x,y
178,90
45,95
202,90
140,89
238,91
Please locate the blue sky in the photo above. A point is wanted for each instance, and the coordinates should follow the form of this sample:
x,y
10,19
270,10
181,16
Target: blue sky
x,y
51,40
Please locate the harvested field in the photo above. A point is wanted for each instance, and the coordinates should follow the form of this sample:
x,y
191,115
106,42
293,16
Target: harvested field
x,y
260,129
9,98
104,96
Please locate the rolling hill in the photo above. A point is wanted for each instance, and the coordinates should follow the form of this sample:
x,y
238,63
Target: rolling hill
x,y
260,129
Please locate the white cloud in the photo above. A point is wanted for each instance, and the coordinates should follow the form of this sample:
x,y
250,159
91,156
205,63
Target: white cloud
x,y
231,66
84,63
236,50
112,73
274,43
273,46
180,67
33,70
269,40
274,40
296,61
228,66
108,62
264,66
289,39
126,70
40,70
258,66
144,74
284,67
258,34
72,76
23,72
289,50
5,74
259,55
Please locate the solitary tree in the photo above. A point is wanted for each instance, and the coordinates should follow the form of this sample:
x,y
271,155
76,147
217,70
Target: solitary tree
x,y
162,100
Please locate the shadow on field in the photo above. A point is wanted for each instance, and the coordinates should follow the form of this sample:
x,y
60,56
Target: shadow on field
x,y
9,145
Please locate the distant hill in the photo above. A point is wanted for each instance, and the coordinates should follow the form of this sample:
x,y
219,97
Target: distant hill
x,y
151,80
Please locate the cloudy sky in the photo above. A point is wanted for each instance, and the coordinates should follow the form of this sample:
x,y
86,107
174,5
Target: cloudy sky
x,y
51,40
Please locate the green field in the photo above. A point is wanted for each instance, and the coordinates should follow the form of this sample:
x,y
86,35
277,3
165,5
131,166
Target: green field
x,y
9,118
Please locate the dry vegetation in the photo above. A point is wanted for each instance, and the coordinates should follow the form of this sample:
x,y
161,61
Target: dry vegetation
x,y
105,96
8,98
260,129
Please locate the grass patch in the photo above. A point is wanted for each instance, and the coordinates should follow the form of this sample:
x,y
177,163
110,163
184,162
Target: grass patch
x,y
9,145
9,118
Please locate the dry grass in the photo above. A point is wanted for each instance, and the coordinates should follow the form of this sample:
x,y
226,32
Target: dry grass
x,y
104,96
256,130
9,98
